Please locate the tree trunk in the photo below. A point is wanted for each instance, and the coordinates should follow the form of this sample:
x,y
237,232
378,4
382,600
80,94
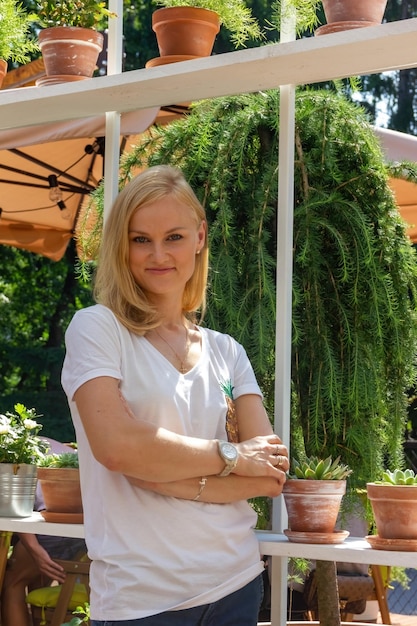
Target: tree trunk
x,y
327,593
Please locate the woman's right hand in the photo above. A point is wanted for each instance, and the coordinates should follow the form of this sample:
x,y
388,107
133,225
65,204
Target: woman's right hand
x,y
262,456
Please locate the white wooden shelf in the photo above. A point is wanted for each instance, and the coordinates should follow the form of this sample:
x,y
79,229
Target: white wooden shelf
x,y
35,524
352,550
354,52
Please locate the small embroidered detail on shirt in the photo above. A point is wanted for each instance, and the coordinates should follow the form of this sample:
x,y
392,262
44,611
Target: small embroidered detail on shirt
x,y
232,427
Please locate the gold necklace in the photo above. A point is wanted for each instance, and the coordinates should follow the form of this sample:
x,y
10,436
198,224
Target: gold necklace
x,y
182,368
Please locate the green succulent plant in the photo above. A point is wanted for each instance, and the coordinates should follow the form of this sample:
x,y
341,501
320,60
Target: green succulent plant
x,y
398,477
313,468
64,459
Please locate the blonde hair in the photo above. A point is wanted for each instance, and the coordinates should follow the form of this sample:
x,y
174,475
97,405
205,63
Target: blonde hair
x,y
115,286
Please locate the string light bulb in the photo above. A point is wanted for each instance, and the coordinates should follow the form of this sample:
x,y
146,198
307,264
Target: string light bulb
x,y
55,195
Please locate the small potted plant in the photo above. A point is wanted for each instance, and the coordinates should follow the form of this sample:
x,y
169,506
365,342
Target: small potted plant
x,y
339,15
16,43
394,505
20,450
82,615
187,29
59,479
313,494
63,25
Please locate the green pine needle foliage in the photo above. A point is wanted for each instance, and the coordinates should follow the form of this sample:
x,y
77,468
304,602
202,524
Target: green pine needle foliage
x,y
355,272
16,41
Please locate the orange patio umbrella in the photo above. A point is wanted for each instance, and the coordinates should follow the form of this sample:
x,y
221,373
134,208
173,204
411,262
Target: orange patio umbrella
x,y
48,171
402,147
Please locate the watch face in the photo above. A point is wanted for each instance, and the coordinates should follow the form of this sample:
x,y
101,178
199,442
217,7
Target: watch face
x,y
229,452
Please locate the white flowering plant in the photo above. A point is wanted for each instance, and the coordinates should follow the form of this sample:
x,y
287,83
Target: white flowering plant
x,y
19,440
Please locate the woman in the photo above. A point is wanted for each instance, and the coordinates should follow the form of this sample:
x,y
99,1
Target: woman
x,y
168,528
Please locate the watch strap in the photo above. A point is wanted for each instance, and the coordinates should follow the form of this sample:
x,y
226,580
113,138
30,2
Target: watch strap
x,y
230,463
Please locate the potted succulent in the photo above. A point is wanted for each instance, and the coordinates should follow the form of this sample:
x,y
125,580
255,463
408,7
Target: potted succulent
x,y
313,494
339,15
63,25
20,450
59,479
187,29
394,505
16,43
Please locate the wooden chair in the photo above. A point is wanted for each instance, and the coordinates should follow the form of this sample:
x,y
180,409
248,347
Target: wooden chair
x,y
381,586
354,590
5,538
54,605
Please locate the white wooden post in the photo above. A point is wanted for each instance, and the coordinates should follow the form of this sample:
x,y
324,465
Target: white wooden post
x,y
279,565
112,145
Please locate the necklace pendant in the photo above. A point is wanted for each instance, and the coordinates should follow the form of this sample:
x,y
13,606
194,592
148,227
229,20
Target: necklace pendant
x,y
182,367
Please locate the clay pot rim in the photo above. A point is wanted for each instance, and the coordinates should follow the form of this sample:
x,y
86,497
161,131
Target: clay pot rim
x,y
324,487
170,13
372,485
57,473
52,33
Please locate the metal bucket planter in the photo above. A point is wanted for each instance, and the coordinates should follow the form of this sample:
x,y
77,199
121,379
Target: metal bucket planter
x,y
17,489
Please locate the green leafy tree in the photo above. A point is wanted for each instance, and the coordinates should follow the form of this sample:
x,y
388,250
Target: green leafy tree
x,y
37,300
355,273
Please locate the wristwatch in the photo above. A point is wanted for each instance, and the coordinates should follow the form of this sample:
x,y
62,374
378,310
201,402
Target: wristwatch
x,y
230,456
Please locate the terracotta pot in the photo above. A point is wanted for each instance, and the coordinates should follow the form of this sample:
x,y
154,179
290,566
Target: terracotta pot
x,y
61,489
354,10
347,14
313,505
3,71
395,510
186,31
69,51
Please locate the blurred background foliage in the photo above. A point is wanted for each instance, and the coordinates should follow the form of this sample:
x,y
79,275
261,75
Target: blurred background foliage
x,y
38,296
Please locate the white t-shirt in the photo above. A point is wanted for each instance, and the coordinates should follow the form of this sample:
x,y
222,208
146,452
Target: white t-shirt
x,y
153,553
